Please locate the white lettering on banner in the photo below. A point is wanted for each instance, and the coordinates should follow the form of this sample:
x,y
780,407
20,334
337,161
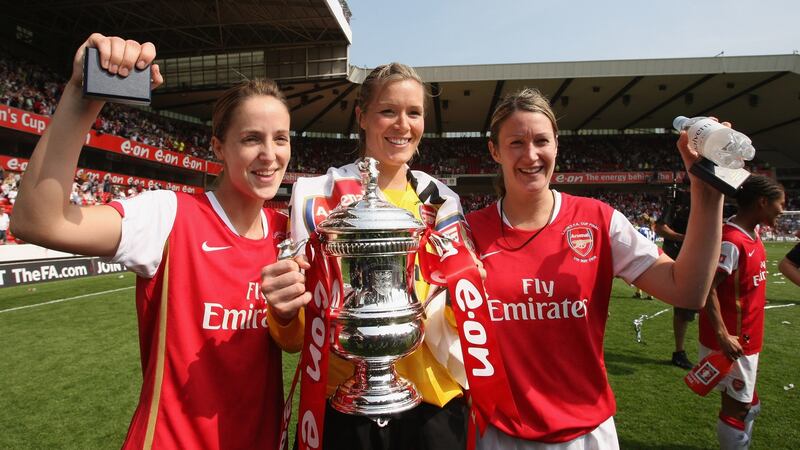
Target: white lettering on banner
x,y
3,115
191,163
13,118
33,122
166,157
2,277
129,148
14,164
532,310
109,268
469,297
317,333
308,430
233,319
540,286
569,179
45,273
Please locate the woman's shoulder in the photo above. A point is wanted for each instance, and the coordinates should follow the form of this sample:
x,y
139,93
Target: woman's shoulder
x,y
483,215
569,201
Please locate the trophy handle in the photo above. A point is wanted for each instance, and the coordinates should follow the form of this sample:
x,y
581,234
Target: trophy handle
x,y
288,249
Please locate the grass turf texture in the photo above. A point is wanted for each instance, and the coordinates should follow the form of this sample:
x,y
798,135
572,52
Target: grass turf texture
x,y
70,372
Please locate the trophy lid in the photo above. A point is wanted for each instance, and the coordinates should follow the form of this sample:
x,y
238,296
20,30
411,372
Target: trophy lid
x,y
371,213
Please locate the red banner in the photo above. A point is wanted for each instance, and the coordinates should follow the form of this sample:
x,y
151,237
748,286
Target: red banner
x,y
15,164
659,177
28,122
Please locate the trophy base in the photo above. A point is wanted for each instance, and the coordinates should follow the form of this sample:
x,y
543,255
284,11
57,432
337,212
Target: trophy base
x,y
353,397
727,181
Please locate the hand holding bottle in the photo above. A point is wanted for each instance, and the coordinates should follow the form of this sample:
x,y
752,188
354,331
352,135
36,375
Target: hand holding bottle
x,y
723,145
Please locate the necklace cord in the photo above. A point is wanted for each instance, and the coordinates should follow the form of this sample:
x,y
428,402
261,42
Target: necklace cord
x,y
511,248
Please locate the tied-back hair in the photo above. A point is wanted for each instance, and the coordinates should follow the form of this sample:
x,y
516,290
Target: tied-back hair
x,y
229,102
756,187
528,100
372,85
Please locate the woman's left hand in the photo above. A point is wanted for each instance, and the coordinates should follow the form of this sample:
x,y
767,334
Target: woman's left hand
x,y
690,156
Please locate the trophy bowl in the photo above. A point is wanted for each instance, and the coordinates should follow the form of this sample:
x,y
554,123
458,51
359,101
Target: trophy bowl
x,y
379,319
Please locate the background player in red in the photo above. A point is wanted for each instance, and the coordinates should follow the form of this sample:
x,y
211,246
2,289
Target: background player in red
x,y
550,259
391,117
732,321
211,373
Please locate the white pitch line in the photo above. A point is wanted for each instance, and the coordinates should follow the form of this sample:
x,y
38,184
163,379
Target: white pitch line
x,y
766,307
63,299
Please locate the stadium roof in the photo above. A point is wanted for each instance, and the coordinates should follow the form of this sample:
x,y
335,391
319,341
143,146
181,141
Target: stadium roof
x,y
205,46
760,95
180,27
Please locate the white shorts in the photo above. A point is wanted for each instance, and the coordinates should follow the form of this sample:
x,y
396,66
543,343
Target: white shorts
x,y
604,437
740,383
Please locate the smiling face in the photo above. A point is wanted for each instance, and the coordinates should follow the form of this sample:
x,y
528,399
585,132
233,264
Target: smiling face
x,y
393,122
255,150
525,148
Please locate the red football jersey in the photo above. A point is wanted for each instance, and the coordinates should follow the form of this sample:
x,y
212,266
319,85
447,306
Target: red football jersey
x,y
743,294
211,372
548,302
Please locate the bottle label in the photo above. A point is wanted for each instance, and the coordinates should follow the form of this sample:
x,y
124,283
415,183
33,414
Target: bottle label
x,y
700,131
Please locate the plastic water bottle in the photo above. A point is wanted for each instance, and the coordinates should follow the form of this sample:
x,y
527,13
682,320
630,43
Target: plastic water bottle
x,y
724,146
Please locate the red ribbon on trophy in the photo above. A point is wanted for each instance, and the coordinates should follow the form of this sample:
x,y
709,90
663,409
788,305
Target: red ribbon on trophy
x,y
455,268
324,283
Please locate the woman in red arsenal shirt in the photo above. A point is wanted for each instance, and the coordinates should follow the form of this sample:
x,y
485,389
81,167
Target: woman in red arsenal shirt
x,y
733,320
211,372
550,260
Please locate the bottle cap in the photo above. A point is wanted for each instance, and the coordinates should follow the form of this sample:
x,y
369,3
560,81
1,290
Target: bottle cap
x,y
678,122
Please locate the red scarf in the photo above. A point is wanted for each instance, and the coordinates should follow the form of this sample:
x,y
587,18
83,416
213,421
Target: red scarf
x,y
455,268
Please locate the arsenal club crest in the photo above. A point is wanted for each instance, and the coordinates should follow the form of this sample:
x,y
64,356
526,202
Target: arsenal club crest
x,y
317,208
580,240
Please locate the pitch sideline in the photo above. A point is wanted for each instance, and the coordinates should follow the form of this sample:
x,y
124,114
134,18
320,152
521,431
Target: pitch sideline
x,y
59,300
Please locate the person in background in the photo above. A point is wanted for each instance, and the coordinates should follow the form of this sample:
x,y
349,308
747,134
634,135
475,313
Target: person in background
x,y
646,229
550,261
211,372
672,227
790,264
4,222
732,321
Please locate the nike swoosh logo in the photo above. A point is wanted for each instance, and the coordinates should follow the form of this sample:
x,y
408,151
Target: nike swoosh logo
x,y
486,255
750,253
208,248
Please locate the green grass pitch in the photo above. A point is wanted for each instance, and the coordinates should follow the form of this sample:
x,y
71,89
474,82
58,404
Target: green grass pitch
x,y
70,374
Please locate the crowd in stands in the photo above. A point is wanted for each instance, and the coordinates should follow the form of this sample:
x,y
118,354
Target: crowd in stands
x,y
31,87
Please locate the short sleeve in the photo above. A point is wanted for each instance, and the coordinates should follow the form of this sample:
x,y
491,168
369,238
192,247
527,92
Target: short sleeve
x,y
729,257
147,221
631,252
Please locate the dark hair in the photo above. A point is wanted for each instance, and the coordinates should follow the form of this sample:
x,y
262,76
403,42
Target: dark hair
x,y
756,187
526,99
226,105
372,84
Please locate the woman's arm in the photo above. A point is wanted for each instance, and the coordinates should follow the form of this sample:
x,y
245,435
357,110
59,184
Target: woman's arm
x,y
790,270
686,281
43,214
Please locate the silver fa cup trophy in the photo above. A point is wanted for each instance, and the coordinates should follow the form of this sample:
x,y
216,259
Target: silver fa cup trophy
x,y
379,319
